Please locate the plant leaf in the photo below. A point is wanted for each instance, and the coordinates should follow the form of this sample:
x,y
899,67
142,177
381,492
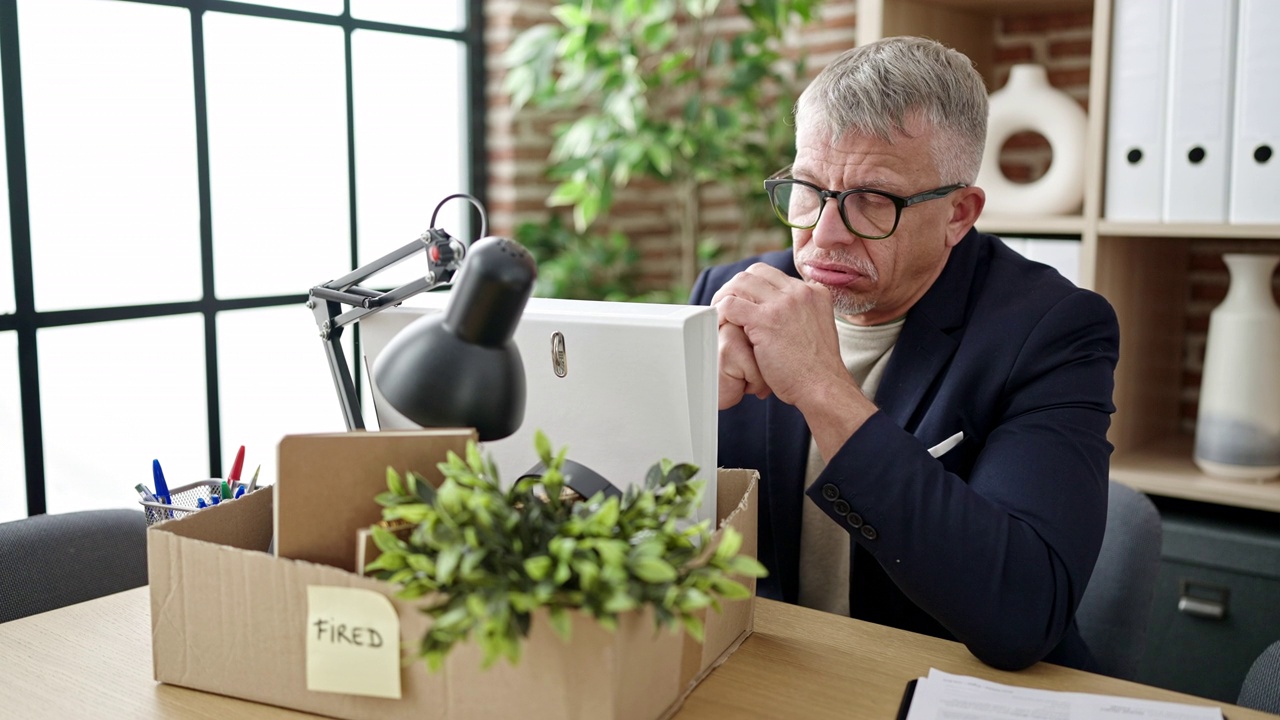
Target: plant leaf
x,y
693,626
654,570
447,563
422,487
730,543
393,481
561,622
537,568
748,567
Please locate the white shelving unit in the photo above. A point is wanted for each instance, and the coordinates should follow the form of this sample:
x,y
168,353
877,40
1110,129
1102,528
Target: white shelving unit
x,y
1140,267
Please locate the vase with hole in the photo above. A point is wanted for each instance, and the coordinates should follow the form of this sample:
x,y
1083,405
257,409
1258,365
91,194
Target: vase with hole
x,y
1028,103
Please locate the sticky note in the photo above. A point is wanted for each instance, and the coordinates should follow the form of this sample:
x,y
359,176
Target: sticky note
x,y
353,642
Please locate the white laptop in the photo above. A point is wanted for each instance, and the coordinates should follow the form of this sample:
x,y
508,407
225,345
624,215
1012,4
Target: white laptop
x,y
639,385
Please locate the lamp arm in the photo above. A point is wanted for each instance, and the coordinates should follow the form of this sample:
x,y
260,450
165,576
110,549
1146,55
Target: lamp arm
x,y
444,256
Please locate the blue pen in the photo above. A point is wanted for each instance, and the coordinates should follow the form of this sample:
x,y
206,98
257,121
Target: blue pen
x,y
216,499
162,488
201,504
239,490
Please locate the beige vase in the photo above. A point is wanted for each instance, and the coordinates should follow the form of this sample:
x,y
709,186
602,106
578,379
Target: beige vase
x,y
1238,425
1029,103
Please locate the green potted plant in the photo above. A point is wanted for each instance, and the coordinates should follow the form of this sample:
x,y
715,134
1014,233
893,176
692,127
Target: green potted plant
x,y
664,90
484,559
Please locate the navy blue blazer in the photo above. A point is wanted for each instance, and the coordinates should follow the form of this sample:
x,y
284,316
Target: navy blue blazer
x,y
993,542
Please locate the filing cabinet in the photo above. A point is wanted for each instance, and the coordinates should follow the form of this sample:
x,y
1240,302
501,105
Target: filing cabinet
x,y
1217,601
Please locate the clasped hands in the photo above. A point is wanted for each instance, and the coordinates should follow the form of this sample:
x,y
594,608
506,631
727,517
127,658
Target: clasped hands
x,y
777,336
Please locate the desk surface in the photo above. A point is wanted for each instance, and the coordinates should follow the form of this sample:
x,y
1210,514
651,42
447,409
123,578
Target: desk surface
x,y
94,660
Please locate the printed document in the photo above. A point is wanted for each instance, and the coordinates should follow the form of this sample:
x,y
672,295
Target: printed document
x,y
943,696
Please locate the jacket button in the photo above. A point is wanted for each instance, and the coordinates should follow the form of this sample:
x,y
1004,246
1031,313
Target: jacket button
x,y
830,492
854,519
842,507
869,532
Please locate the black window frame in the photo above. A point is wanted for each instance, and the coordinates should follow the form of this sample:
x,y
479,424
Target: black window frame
x,y
25,321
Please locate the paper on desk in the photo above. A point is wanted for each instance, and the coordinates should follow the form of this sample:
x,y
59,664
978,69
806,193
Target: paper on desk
x,y
943,696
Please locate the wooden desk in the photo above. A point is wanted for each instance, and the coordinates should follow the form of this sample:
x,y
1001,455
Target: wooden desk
x,y
94,660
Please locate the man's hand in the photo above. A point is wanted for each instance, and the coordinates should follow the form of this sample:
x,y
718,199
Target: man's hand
x,y
778,335
739,375
788,329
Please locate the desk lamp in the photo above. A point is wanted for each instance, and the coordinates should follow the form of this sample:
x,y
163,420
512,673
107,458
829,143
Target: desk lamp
x,y
457,369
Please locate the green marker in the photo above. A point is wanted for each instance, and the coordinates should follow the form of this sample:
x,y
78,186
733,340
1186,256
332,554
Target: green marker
x,y
224,490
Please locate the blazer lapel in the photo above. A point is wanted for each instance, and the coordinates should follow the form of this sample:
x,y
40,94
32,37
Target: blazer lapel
x,y
930,335
920,355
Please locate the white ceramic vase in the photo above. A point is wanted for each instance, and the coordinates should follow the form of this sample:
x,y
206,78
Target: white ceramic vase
x,y
1238,425
1029,103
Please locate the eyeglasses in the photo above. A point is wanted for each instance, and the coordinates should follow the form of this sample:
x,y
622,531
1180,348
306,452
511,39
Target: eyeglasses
x,y
869,214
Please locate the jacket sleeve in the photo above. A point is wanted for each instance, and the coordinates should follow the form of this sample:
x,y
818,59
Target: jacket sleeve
x,y
1000,558
704,288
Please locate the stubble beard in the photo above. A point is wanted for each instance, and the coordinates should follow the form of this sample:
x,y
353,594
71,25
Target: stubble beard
x,y
848,305
846,302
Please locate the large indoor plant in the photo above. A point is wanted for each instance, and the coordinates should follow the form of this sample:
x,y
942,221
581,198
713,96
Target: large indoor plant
x,y
672,90
484,559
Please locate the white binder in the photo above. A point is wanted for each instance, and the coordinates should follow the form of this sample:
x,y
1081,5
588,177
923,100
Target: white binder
x,y
640,384
1201,76
1255,165
1136,106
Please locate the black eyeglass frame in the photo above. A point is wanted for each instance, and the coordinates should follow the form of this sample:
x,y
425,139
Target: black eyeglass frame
x,y
899,203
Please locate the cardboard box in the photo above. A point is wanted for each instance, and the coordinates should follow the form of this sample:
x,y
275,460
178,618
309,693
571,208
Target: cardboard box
x,y
229,618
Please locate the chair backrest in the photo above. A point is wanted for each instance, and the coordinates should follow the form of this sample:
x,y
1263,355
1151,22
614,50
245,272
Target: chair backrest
x,y
48,561
1116,607
1261,688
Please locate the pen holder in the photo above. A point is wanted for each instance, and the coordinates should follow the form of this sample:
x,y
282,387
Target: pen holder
x,y
184,499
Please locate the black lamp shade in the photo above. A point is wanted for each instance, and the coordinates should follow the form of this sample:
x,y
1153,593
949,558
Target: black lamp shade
x,y
461,368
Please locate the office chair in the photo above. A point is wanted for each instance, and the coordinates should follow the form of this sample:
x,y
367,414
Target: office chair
x,y
1261,688
1116,607
48,561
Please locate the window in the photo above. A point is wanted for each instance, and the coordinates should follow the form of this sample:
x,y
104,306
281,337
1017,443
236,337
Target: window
x,y
179,173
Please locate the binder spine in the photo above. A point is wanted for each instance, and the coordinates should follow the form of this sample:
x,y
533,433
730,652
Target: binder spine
x,y
1135,156
1202,75
1255,167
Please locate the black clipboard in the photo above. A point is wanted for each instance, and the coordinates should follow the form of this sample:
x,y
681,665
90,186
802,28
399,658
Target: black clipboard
x,y
908,692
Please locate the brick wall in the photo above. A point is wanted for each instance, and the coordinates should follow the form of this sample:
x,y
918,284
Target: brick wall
x,y
1061,42
519,142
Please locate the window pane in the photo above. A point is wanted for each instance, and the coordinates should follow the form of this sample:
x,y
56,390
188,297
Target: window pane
x,y
13,472
410,147
326,7
278,154
273,381
113,397
439,14
111,161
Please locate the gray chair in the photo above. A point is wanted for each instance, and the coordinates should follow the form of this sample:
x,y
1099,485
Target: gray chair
x,y
1261,688
48,561
1116,607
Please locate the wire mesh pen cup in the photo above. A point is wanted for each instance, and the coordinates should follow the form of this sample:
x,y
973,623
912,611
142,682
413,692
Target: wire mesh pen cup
x,y
183,500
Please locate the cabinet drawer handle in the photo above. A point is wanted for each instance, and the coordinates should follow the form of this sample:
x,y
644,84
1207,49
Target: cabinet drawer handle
x,y
1203,600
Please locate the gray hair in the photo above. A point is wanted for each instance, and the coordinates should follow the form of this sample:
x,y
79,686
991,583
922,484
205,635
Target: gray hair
x,y
876,89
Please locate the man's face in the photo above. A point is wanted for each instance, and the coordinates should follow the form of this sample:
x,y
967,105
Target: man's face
x,y
874,281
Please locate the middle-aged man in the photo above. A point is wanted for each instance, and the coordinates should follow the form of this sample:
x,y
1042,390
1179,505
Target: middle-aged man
x,y
927,409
